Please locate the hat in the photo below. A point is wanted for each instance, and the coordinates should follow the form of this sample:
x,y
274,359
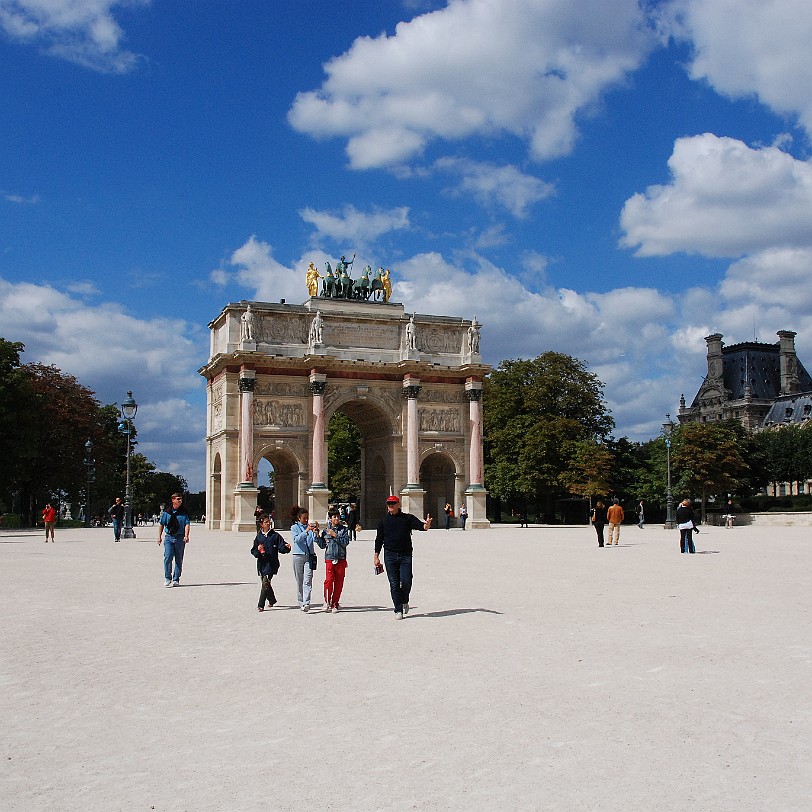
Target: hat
x,y
392,500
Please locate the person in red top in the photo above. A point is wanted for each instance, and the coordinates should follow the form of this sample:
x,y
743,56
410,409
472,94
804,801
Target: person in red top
x,y
49,517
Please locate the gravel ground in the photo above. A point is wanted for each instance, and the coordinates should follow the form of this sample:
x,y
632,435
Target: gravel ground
x,y
535,671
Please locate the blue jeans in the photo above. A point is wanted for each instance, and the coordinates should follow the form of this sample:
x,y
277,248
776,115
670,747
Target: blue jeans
x,y
399,572
173,548
117,529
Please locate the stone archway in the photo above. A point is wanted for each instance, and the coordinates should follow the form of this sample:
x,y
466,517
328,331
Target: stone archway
x,y
216,489
438,480
377,463
286,483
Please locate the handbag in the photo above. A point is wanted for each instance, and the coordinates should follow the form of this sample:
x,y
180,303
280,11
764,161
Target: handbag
x,y
313,560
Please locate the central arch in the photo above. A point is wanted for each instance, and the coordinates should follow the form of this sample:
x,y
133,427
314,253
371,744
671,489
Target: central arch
x,y
377,430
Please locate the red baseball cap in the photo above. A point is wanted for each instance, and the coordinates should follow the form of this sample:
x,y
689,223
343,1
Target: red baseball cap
x,y
392,500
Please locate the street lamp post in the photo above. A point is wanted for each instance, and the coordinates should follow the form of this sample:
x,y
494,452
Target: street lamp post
x,y
668,428
129,408
89,463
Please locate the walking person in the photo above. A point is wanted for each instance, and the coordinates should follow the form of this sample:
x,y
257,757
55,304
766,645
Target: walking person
x,y
49,520
641,517
449,513
334,540
116,513
598,519
615,518
352,521
463,515
394,536
304,534
267,546
523,518
686,521
174,527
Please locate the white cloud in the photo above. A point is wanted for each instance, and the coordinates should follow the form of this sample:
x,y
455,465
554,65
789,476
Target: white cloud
x,y
751,48
80,31
475,68
724,199
354,226
31,200
489,184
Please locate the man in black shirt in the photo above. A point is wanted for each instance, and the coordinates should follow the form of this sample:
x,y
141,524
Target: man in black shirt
x,y
395,537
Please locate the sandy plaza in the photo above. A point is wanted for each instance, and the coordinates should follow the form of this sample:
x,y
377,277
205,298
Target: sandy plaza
x,y
535,671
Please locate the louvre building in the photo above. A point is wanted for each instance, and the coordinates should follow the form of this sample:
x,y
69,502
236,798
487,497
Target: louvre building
x,y
760,385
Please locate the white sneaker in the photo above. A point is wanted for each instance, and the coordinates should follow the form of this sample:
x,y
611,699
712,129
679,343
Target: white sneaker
x,y
305,608
167,583
405,608
327,607
175,583
398,615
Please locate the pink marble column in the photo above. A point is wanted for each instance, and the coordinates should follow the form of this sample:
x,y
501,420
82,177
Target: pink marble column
x,y
318,383
411,389
247,383
473,390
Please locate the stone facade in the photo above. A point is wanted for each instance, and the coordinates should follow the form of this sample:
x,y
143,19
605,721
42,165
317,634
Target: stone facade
x,y
412,385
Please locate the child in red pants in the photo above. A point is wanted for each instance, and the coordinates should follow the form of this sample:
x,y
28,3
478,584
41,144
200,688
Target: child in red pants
x,y
334,540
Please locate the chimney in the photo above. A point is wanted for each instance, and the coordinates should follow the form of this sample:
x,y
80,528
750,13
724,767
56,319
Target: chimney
x,y
715,365
789,362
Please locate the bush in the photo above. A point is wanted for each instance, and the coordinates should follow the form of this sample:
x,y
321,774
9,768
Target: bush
x,y
776,504
11,521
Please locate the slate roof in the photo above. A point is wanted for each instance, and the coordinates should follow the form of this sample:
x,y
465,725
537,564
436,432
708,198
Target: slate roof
x,y
761,364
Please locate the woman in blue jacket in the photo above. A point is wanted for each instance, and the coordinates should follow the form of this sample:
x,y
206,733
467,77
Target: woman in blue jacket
x,y
304,535
267,546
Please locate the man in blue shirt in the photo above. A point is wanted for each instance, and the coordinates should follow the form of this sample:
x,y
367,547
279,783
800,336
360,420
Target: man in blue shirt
x,y
173,533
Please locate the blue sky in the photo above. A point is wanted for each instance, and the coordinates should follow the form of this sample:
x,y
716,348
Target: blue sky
x,y
610,179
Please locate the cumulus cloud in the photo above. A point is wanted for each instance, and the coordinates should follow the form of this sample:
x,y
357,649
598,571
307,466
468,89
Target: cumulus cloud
x,y
354,226
724,199
746,48
489,184
475,68
80,31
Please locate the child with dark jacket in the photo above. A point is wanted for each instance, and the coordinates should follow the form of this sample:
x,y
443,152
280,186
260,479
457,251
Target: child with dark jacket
x,y
267,546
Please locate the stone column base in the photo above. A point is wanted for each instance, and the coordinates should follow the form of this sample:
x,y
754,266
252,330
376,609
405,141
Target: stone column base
x,y
476,501
318,500
411,501
245,503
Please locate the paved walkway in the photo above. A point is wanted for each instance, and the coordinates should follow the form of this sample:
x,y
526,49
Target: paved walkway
x,y
535,671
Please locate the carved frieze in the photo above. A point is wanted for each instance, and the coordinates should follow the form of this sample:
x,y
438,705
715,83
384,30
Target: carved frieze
x,y
444,420
442,396
378,336
281,389
282,329
269,412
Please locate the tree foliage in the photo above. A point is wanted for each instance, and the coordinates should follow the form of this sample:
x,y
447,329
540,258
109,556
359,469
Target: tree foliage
x,y
709,458
536,413
46,417
344,458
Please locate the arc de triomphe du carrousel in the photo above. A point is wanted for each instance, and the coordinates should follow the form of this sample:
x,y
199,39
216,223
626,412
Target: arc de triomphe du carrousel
x,y
411,383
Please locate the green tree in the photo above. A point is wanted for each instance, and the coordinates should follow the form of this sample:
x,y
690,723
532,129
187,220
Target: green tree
x,y
343,458
589,472
535,413
17,421
708,459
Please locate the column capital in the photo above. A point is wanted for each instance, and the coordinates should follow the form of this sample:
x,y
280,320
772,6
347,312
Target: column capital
x,y
247,384
317,383
411,391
